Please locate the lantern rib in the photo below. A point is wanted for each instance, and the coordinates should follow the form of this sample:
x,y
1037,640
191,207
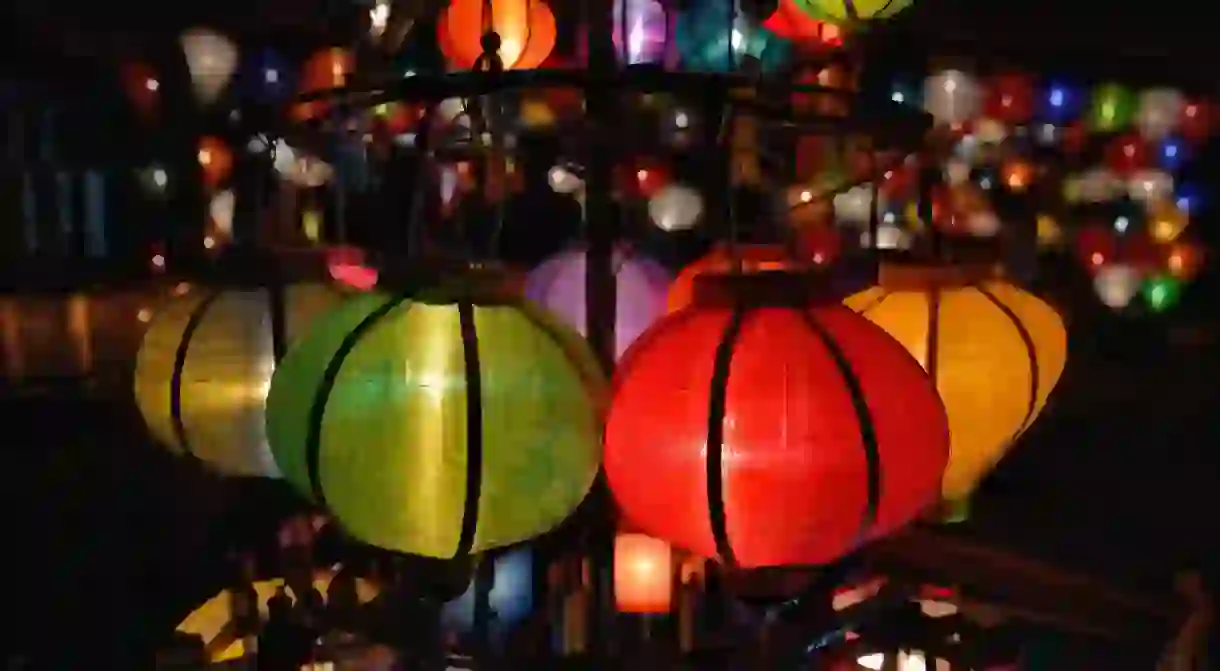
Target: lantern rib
x,y
474,429
932,344
864,420
1031,351
317,410
863,312
175,381
718,392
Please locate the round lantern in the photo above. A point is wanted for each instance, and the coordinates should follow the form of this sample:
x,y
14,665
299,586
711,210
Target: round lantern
x,y
754,259
641,31
451,423
1111,108
706,42
767,430
994,352
511,597
526,29
559,286
952,97
854,10
205,364
643,574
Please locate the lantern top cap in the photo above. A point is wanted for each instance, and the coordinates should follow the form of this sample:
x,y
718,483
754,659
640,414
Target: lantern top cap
x,y
919,276
443,281
765,288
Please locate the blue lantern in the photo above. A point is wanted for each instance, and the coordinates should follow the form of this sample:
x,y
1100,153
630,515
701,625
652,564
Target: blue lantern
x,y
1189,198
1171,153
266,78
1060,103
511,598
708,42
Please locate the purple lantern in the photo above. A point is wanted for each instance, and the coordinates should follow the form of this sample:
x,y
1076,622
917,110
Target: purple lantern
x,y
559,286
641,31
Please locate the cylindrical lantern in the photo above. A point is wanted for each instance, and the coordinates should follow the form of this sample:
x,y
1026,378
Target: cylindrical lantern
x,y
559,286
526,29
766,430
452,423
511,597
205,364
754,259
994,351
641,31
706,41
643,574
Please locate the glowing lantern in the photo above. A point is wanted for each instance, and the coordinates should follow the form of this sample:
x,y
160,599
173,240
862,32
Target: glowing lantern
x,y
1116,285
215,160
994,352
1096,245
205,364
327,69
559,286
1166,221
791,22
643,36
211,59
1183,260
769,431
454,422
511,597
952,97
707,43
675,207
142,87
854,10
526,29
754,259
1162,293
1112,108
643,574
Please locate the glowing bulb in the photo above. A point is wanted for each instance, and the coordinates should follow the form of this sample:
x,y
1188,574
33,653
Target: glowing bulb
x,y
1121,224
160,178
158,261
209,242
1057,98
205,157
144,315
152,84
682,120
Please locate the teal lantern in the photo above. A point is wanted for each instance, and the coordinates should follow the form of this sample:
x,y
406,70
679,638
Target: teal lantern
x,y
439,424
708,41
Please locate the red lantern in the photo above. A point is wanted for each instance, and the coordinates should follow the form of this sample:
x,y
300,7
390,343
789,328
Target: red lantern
x,y
1127,154
1096,245
793,23
643,574
820,244
143,87
1183,259
642,179
215,160
767,431
325,70
1010,99
1074,137
1196,122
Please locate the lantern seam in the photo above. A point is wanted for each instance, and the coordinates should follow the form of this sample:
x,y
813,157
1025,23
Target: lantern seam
x,y
277,307
718,391
864,419
474,428
317,409
1031,352
175,381
863,312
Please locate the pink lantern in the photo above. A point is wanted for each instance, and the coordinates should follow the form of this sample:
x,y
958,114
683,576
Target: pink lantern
x,y
641,31
559,286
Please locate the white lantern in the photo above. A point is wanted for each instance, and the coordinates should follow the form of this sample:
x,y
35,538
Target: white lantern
x,y
220,210
952,97
1116,285
889,236
855,205
675,208
563,180
1099,185
983,224
1159,113
211,59
1150,186
957,171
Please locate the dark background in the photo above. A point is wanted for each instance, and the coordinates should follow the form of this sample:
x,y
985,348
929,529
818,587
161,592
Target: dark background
x,y
108,540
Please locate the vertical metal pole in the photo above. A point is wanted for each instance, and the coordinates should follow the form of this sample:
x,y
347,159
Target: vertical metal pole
x,y
600,287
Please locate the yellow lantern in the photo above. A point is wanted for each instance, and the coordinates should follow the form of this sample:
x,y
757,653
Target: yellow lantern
x,y
205,366
1166,221
994,351
643,574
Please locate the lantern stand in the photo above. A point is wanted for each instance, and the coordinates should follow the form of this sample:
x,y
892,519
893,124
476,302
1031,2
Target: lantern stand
x,y
886,121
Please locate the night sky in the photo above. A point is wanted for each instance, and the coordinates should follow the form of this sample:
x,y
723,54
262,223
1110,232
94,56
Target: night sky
x,y
1119,476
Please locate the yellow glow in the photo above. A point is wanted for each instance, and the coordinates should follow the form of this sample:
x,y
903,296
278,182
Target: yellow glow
x,y
1168,222
643,574
983,367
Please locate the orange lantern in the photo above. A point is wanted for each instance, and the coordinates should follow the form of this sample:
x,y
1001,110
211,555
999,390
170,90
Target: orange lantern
x,y
326,69
526,29
143,87
215,160
1017,175
1183,259
754,259
643,574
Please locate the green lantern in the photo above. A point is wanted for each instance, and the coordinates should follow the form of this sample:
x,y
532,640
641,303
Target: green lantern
x,y
853,11
1111,108
439,425
205,365
1162,292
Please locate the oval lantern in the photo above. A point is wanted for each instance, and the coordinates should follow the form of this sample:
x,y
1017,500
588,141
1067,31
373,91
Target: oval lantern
x,y
526,29
211,59
451,423
643,574
706,42
754,259
205,364
769,431
994,351
511,597
559,286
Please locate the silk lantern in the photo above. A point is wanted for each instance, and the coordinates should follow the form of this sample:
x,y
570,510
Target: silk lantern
x,y
451,422
952,97
707,42
641,31
1111,108
854,10
326,69
753,258
769,430
526,29
211,59
994,352
205,364
558,285
1116,285
511,597
643,574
